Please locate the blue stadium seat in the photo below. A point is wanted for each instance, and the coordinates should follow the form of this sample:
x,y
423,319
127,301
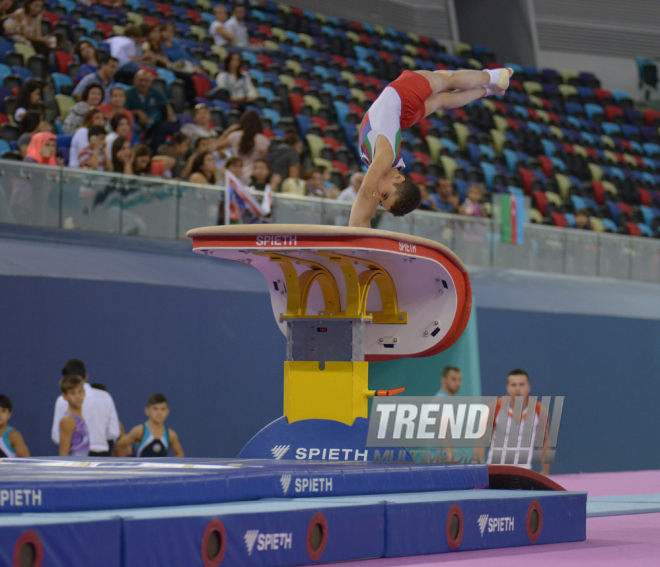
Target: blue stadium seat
x,y
60,80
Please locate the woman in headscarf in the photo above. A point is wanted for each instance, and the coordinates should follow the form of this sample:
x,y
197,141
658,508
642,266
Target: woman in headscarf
x,y
41,149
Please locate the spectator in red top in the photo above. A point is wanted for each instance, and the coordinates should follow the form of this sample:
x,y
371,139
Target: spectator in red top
x,y
92,156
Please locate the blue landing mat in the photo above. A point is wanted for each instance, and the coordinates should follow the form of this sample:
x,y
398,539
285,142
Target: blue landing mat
x,y
68,484
278,532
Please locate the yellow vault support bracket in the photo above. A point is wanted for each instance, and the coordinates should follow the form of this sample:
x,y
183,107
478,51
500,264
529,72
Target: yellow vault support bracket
x,y
333,390
335,393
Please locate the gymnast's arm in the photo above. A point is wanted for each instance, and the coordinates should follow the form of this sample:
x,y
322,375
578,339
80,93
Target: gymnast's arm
x,y
175,444
365,203
124,443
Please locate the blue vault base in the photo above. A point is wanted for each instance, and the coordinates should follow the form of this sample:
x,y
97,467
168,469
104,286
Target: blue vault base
x,y
149,512
316,439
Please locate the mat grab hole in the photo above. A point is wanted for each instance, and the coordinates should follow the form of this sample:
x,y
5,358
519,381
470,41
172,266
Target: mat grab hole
x,y
213,544
317,536
27,555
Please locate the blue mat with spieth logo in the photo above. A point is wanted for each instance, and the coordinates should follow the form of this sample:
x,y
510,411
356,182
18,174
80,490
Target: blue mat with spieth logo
x,y
69,484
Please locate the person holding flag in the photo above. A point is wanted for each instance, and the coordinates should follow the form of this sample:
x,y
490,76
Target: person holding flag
x,y
243,206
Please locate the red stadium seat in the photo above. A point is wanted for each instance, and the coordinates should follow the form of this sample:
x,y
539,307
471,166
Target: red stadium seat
x,y
613,111
297,11
320,122
105,28
516,86
339,59
532,114
421,156
202,84
341,167
513,123
332,142
385,56
569,148
266,30
633,229
296,102
195,15
461,114
494,65
625,208
359,111
63,59
599,191
365,39
652,117
559,220
418,178
164,8
51,17
302,82
527,177
547,165
151,20
602,94
357,26
591,153
424,125
501,107
541,201
644,196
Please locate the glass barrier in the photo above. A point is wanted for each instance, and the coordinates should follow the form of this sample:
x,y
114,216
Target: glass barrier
x,y
75,199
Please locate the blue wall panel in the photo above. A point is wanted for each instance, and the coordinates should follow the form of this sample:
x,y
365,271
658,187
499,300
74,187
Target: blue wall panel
x,y
217,356
607,367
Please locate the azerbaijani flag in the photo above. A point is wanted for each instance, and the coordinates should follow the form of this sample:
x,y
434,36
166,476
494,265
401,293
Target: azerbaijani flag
x,y
512,213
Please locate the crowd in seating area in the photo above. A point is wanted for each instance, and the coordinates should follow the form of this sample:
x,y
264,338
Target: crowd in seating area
x,y
179,87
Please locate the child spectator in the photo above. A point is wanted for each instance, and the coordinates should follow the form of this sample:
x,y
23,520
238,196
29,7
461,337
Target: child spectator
x,y
152,438
426,204
445,198
260,175
180,145
11,441
74,435
92,156
582,221
80,140
472,206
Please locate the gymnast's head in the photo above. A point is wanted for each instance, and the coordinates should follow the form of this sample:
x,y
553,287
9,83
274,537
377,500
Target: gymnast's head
x,y
398,193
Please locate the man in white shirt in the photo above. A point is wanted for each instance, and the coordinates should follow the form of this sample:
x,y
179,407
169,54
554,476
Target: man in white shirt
x,y
98,411
217,30
348,195
236,27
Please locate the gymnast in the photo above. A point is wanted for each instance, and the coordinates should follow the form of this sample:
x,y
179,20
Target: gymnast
x,y
403,103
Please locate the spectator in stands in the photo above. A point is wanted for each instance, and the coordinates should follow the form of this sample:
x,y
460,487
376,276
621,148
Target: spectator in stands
x,y
260,175
236,81
98,411
314,183
28,98
122,156
177,148
88,60
331,190
94,117
91,98
202,125
181,60
31,124
24,26
117,106
92,156
235,26
348,195
284,158
445,198
148,105
42,149
105,76
203,169
247,142
153,49
145,163
127,50
218,31
426,203
472,206
582,220
7,8
121,128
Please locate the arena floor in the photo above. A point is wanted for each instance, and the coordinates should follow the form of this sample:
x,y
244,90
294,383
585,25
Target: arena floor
x,y
613,540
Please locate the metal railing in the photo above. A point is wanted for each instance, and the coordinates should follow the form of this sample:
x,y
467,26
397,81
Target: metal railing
x,y
75,199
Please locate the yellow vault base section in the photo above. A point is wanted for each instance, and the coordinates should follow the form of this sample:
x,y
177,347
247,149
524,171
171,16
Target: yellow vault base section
x,y
337,392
